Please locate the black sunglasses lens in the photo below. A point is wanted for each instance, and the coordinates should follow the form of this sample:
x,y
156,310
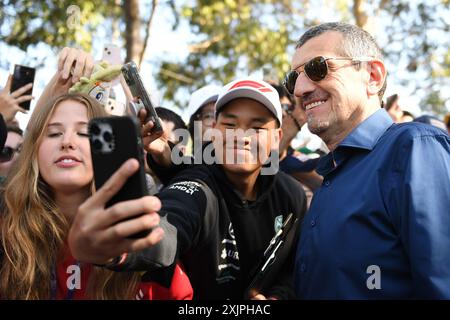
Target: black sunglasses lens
x,y
316,69
289,81
6,154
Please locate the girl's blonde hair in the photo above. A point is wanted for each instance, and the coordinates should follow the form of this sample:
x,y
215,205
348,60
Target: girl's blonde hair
x,y
33,230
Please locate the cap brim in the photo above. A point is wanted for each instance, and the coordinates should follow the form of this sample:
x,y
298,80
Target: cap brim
x,y
246,93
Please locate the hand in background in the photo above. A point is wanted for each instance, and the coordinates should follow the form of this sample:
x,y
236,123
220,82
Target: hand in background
x,y
9,102
72,65
155,144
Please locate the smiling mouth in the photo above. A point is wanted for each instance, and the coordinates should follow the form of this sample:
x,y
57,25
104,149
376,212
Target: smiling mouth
x,y
67,161
312,105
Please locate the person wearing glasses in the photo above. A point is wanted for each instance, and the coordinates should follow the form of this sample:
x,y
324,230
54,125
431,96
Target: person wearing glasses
x,y
201,111
378,227
293,162
219,218
10,151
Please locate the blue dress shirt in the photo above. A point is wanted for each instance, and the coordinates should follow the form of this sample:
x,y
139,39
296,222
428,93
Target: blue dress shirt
x,y
379,226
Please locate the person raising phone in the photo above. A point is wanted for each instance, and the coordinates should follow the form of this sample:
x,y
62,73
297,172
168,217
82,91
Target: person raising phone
x,y
9,101
52,177
218,219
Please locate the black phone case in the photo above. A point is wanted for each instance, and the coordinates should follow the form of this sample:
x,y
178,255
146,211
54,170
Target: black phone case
x,y
271,264
133,79
127,144
22,76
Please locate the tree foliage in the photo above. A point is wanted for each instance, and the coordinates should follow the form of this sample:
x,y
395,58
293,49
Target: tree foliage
x,y
239,37
26,22
243,36
233,36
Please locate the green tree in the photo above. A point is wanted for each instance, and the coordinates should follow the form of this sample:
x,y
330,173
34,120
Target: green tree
x,y
243,36
76,23
234,36
26,22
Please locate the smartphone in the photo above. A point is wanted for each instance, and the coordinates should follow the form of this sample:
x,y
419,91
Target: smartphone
x,y
111,54
142,99
114,140
275,255
22,76
114,107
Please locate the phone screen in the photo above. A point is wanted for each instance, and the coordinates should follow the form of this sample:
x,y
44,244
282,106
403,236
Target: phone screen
x,y
22,76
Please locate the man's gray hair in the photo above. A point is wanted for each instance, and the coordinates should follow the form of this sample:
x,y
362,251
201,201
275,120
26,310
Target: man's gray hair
x,y
357,42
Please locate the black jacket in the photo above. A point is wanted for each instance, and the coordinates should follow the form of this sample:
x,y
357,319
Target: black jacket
x,y
219,236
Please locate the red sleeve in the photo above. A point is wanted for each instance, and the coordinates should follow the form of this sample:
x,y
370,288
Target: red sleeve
x,y
180,288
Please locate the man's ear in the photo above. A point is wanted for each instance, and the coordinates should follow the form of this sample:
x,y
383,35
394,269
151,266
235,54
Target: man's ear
x,y
377,77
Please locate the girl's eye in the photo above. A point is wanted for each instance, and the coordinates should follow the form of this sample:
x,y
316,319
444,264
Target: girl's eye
x,y
54,134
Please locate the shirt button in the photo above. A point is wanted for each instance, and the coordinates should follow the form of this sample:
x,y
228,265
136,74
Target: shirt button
x,y
313,223
327,183
303,267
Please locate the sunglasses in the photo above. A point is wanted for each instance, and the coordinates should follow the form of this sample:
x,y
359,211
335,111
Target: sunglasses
x,y
205,116
315,69
287,107
8,153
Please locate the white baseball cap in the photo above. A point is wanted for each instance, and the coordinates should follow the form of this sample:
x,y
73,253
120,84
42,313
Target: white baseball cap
x,y
253,89
201,97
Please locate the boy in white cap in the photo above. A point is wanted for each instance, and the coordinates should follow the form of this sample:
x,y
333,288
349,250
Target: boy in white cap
x,y
201,108
218,219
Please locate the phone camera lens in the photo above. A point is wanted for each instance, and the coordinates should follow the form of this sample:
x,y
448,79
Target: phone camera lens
x,y
97,144
107,136
95,130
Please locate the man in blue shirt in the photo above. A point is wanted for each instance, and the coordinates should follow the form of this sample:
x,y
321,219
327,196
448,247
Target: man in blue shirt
x,y
379,226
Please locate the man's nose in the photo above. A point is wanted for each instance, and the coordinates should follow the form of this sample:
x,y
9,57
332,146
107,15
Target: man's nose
x,y
303,85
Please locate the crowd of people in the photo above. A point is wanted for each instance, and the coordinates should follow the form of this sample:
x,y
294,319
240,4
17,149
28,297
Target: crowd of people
x,y
367,219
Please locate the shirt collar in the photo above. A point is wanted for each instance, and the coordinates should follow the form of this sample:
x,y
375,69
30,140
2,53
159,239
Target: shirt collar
x,y
368,132
365,136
